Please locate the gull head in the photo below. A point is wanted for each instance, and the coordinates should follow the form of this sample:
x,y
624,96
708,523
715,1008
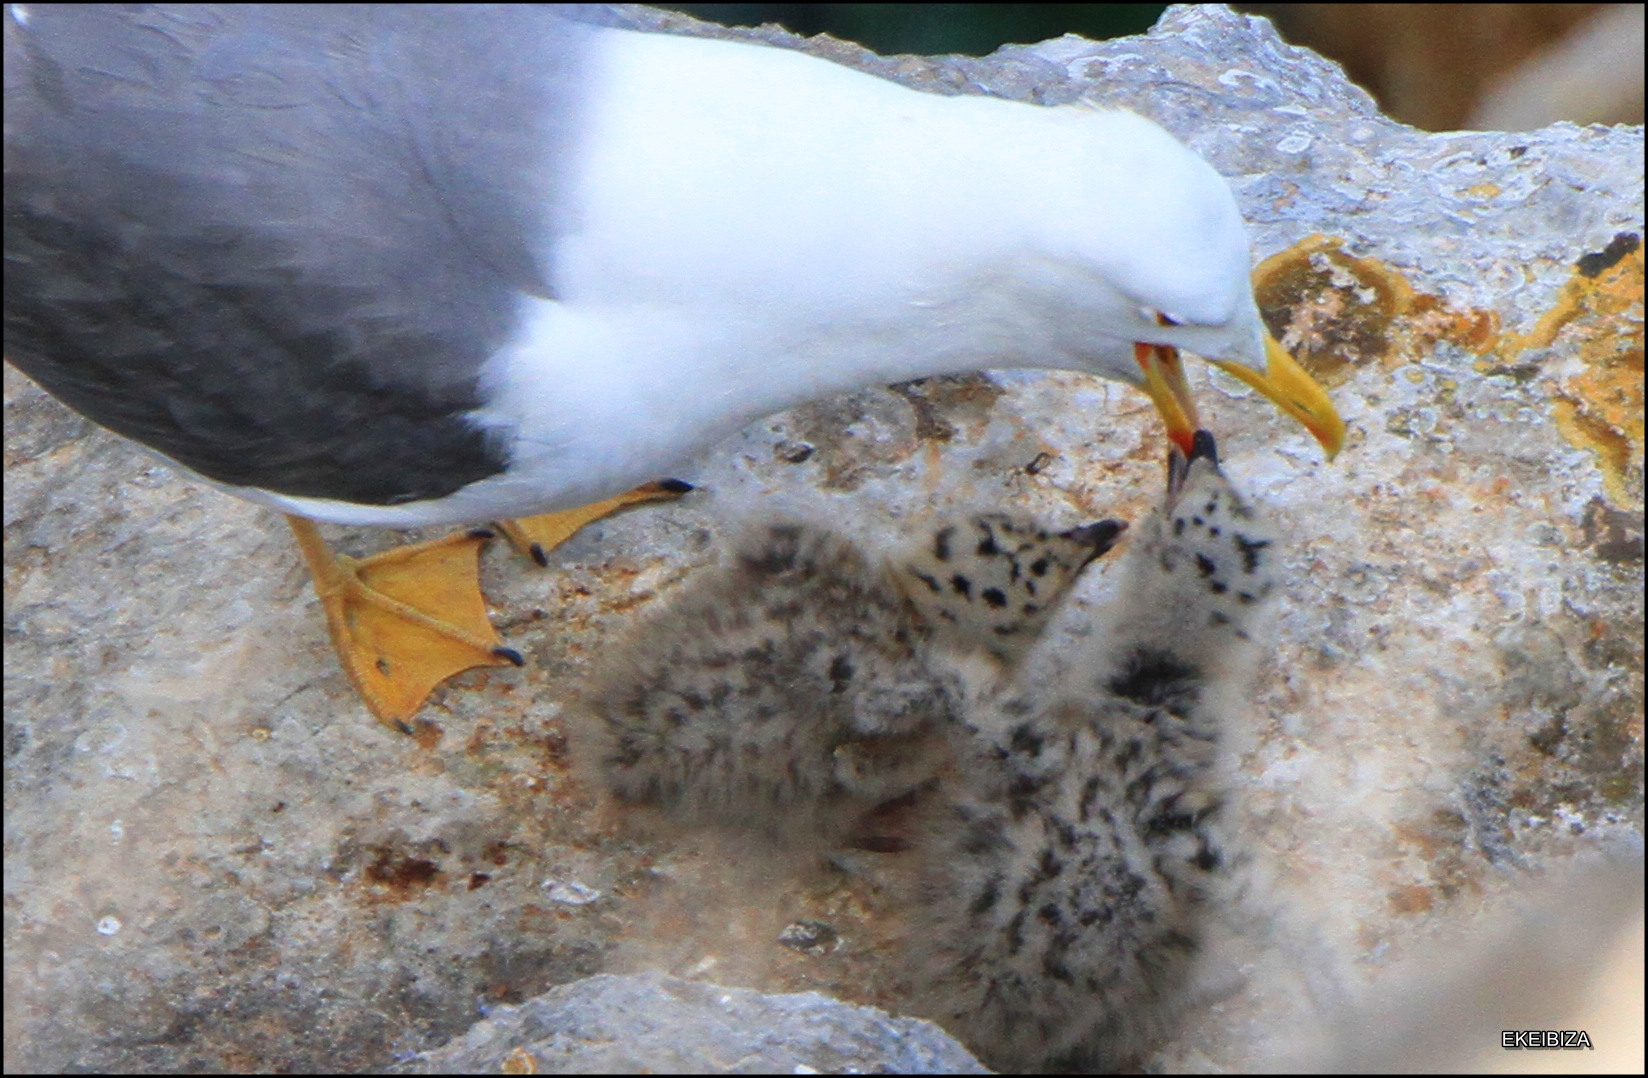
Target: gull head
x,y
1145,245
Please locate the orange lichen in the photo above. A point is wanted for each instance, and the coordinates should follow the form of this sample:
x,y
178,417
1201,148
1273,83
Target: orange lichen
x,y
1335,311
1600,409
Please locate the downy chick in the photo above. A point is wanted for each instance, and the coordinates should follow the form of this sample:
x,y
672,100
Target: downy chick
x,y
794,690
1078,852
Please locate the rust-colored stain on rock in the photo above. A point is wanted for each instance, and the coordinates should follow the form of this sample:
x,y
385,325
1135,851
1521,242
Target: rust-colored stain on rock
x,y
1336,312
402,875
1441,839
1410,899
426,732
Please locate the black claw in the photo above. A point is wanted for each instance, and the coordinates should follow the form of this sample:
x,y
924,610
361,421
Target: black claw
x,y
404,727
1100,536
510,654
536,550
482,533
1202,446
675,486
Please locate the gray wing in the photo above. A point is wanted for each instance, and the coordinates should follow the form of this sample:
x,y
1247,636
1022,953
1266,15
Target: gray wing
x,y
277,244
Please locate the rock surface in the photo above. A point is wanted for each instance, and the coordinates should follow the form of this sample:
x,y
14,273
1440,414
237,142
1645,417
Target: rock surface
x,y
655,1024
216,860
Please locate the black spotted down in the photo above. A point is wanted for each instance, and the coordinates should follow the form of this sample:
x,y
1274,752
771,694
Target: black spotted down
x,y
1251,549
1156,678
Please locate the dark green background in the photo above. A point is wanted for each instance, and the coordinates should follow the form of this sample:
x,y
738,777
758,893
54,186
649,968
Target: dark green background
x,y
974,29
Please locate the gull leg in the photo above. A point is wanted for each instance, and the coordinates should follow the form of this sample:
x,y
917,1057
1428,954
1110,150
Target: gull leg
x,y
537,536
405,620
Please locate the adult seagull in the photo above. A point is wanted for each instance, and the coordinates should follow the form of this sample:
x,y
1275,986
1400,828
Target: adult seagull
x,y
417,265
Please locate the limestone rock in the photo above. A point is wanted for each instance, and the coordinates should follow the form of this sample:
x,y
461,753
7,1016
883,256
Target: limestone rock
x,y
216,860
653,1024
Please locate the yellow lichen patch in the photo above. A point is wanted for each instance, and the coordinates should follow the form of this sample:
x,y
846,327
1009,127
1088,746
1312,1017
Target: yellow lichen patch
x,y
1599,314
1334,311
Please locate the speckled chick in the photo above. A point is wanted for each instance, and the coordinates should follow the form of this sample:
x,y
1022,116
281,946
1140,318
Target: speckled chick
x,y
801,686
1070,872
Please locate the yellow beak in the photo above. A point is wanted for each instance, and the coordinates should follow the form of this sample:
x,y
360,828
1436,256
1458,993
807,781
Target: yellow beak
x,y
1295,392
1286,384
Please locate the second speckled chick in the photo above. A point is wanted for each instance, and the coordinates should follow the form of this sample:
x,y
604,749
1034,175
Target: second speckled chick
x,y
1085,843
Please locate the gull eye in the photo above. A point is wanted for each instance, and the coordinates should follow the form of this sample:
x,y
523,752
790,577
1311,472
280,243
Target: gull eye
x,y
1164,320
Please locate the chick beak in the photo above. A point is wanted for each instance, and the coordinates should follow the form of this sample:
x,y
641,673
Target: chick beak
x,y
1164,383
1291,389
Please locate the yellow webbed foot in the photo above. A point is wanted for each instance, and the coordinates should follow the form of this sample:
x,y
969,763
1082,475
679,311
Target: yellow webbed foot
x,y
405,620
537,536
